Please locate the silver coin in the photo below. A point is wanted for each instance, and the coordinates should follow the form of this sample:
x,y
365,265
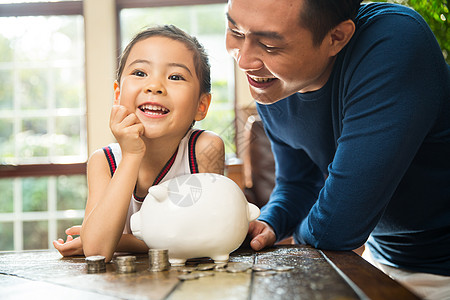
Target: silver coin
x,y
190,276
95,259
204,273
95,264
186,269
265,273
238,267
282,268
205,267
261,268
158,260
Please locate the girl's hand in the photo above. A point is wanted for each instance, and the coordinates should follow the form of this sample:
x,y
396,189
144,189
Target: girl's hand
x,y
127,129
72,246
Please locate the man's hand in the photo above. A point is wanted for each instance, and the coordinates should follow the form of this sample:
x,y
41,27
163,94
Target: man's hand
x,y
72,246
262,235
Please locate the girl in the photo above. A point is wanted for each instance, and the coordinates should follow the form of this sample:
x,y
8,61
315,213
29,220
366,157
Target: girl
x,y
163,86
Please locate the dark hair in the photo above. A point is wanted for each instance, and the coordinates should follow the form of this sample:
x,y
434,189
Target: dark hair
x,y
320,16
201,62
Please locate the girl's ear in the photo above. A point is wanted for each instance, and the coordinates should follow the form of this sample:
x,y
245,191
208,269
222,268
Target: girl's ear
x,y
203,105
116,93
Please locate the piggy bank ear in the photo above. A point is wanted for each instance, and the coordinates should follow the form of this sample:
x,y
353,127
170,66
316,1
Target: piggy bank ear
x,y
159,192
253,212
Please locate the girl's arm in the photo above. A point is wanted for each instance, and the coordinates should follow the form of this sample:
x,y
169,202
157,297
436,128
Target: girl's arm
x,y
109,198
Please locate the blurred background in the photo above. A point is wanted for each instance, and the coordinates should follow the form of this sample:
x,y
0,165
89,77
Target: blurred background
x,y
57,66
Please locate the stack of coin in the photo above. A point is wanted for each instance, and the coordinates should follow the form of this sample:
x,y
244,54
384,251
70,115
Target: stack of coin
x,y
95,264
125,264
158,260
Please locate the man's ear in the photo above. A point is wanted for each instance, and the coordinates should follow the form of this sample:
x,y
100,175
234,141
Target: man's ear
x,y
116,93
340,35
203,105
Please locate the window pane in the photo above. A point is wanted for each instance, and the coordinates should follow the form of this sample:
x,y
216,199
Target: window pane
x,y
6,140
6,196
35,235
69,92
7,234
67,136
207,23
71,192
42,85
34,194
33,141
6,92
32,89
64,224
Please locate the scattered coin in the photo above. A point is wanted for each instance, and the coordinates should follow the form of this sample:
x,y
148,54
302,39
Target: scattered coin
x,y
158,260
238,267
282,268
95,264
265,273
205,267
186,269
220,267
190,276
205,273
261,268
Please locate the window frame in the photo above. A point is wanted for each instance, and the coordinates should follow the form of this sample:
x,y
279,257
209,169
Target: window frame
x,y
66,8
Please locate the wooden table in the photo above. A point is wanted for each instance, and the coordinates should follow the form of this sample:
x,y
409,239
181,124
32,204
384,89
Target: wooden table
x,y
316,275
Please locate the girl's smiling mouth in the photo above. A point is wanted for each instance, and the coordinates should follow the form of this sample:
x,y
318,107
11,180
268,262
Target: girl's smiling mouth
x,y
153,109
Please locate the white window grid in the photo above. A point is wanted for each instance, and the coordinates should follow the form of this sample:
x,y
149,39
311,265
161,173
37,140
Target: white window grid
x,y
51,215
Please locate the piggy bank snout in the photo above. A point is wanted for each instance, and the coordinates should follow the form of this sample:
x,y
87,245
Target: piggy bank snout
x,y
135,225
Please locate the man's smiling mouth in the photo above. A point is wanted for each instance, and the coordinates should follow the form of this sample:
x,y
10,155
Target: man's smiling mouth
x,y
260,82
151,109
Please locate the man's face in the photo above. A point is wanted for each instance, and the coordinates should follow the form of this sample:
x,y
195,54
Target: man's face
x,y
276,53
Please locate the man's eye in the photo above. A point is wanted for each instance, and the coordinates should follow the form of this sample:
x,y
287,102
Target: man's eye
x,y
176,77
269,49
235,33
139,73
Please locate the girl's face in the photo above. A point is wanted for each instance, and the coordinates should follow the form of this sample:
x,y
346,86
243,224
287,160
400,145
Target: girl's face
x,y
159,84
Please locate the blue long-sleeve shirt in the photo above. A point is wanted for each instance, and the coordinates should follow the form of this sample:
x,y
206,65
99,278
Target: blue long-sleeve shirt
x,y
369,153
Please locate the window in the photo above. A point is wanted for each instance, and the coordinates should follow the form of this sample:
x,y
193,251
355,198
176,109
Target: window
x,y
43,149
206,22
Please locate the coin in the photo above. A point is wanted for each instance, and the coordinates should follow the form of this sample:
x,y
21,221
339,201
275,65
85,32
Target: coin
x,y
282,268
261,268
220,267
204,273
95,264
158,260
238,267
125,264
265,273
190,276
205,267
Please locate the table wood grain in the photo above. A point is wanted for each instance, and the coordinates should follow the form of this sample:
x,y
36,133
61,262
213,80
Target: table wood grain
x,y
316,275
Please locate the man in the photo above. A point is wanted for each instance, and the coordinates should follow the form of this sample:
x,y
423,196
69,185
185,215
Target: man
x,y
355,100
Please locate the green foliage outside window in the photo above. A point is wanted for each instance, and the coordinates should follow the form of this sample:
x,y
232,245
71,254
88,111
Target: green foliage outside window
x,y
436,14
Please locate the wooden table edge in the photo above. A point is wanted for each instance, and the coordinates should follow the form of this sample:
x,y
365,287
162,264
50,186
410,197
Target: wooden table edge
x,y
386,288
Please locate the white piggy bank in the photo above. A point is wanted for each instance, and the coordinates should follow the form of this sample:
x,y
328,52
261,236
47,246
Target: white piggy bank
x,y
195,215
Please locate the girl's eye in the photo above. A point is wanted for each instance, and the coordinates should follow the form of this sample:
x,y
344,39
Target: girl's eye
x,y
176,77
139,73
